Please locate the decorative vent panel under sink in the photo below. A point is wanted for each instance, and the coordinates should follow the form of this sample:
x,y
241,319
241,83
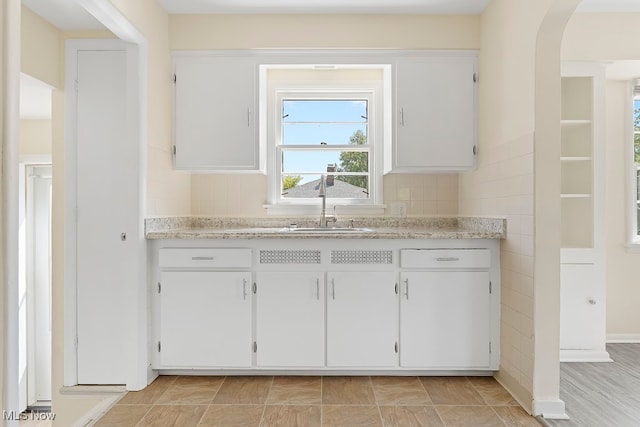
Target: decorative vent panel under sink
x,y
362,257
289,257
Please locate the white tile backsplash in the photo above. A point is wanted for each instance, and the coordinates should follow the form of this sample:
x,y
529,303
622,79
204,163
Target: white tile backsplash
x,y
245,195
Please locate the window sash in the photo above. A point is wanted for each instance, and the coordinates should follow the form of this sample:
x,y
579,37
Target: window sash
x,y
281,147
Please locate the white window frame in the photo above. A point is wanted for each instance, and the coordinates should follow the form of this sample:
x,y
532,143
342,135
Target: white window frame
x,y
633,243
373,92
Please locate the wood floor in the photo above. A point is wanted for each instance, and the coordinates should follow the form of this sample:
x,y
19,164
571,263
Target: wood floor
x,y
319,401
602,394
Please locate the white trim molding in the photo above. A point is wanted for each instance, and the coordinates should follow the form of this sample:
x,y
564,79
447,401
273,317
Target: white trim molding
x,y
623,338
550,409
584,356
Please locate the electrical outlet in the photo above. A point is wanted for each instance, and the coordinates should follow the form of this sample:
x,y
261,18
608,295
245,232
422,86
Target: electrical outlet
x,y
398,209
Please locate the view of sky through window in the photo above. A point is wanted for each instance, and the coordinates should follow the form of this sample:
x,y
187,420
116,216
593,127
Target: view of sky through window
x,y
308,124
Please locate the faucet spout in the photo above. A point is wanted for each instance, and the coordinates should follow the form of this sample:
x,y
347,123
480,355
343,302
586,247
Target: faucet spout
x,y
322,192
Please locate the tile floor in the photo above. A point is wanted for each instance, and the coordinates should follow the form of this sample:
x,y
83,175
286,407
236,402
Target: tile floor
x,y
319,401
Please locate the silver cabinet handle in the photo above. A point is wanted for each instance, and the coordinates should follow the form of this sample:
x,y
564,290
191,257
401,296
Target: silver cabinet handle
x,y
318,289
406,284
402,117
447,259
333,288
248,117
201,258
244,289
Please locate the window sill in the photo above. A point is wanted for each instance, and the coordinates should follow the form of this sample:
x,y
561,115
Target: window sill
x,y
341,210
633,247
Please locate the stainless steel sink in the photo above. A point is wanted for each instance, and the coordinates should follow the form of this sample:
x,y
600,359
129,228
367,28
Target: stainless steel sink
x,y
329,230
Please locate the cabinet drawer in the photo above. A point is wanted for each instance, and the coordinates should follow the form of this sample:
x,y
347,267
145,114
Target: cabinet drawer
x,y
204,258
445,258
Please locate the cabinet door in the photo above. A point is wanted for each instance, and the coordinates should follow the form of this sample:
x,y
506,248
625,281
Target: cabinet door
x,y
435,114
205,319
582,307
445,320
290,319
361,319
215,115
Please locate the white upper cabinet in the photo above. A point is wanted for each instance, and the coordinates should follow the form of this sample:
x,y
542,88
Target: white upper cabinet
x,y
215,114
435,114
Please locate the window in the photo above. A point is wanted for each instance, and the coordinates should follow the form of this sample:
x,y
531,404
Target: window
x,y
325,136
325,129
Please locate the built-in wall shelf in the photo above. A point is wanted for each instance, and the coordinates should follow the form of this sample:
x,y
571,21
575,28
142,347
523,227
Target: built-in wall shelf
x,y
575,196
582,282
575,159
575,122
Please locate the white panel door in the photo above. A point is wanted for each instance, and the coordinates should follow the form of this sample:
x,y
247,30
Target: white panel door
x,y
445,319
215,115
361,319
107,205
290,319
205,319
435,126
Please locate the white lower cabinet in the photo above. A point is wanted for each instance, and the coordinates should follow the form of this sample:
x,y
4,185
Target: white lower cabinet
x,y
205,319
290,319
445,319
326,306
361,319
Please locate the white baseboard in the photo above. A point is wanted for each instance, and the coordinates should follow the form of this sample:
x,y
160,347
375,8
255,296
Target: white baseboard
x,y
623,338
584,356
550,409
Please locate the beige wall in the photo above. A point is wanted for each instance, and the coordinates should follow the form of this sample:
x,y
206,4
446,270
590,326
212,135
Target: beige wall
x,y
597,37
512,162
245,195
601,36
623,289
201,32
503,183
168,192
35,137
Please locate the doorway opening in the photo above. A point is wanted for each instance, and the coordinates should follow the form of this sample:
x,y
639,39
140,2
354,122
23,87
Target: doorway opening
x,y
34,245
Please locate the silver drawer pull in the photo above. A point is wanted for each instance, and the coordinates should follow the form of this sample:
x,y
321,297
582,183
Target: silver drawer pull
x,y
201,258
448,259
244,289
318,289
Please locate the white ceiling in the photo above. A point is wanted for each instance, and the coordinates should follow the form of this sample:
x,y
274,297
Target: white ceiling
x,y
69,15
64,14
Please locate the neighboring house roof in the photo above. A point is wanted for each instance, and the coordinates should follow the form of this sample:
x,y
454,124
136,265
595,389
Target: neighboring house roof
x,y
339,189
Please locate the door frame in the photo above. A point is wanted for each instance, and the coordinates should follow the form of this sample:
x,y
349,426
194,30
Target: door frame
x,y
25,275
135,307
31,287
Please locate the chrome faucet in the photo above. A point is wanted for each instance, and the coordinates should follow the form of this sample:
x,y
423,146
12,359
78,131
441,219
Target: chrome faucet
x,y
322,192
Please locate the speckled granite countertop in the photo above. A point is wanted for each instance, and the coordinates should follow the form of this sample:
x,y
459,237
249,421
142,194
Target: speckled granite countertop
x,y
294,228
